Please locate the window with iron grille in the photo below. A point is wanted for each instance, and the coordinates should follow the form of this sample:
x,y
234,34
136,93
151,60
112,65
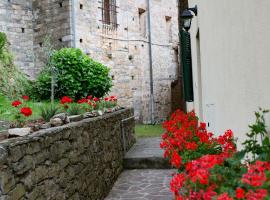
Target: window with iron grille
x,y
109,13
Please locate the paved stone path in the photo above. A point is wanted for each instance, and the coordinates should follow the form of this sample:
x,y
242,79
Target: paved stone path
x,y
148,179
142,185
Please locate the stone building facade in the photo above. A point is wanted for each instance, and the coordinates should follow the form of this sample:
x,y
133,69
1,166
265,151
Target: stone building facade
x,y
114,32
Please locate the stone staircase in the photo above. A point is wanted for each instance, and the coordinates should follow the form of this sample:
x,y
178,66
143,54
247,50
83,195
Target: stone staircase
x,y
146,154
146,174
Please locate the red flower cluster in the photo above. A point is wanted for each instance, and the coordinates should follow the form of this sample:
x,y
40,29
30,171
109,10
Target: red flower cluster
x,y
65,100
224,196
96,99
258,194
26,111
83,100
16,103
21,109
256,174
91,102
239,193
200,156
184,135
198,170
25,98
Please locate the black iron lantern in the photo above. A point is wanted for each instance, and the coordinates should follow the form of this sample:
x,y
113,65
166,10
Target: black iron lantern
x,y
187,17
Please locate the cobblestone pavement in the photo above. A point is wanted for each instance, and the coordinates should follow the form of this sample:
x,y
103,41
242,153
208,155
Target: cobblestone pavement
x,y
142,185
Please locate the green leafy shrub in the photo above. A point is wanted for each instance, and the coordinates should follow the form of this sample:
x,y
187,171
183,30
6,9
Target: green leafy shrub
x,y
41,88
13,82
76,75
258,142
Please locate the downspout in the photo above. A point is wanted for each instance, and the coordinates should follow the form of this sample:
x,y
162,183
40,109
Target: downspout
x,y
150,65
182,5
73,23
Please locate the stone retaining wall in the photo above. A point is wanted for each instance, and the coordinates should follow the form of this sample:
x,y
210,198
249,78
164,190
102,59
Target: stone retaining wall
x,y
80,160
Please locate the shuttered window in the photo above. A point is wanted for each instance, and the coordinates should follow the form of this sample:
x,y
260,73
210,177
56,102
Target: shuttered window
x,y
187,66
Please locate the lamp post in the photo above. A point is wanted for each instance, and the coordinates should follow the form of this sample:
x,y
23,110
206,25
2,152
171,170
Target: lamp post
x,y
187,16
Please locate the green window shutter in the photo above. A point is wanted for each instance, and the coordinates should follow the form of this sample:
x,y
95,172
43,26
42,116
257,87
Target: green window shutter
x,y
187,66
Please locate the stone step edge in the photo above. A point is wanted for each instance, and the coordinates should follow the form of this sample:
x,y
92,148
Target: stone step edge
x,y
146,163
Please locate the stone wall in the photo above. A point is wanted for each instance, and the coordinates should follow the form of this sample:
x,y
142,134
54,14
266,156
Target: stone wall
x,y
80,160
126,51
16,21
52,28
28,23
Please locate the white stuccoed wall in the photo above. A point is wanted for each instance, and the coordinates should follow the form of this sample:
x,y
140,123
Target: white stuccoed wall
x,y
235,62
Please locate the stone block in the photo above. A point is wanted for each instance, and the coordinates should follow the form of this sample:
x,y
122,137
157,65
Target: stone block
x,y
75,118
56,122
19,131
17,193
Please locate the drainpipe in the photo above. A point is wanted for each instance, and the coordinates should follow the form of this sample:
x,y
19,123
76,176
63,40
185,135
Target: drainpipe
x,y
150,64
74,35
181,7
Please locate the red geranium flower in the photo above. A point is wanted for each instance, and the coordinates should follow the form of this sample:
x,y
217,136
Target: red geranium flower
x,y
16,103
106,99
25,97
82,101
26,111
113,98
239,193
177,183
66,99
176,159
96,99
224,196
89,97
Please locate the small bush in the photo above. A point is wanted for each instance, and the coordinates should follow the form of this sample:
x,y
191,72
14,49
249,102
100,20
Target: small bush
x,y
48,111
76,75
75,109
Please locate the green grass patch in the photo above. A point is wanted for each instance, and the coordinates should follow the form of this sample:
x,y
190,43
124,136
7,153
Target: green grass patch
x,y
149,130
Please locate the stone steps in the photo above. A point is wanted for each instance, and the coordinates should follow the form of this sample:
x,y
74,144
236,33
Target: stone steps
x,y
146,154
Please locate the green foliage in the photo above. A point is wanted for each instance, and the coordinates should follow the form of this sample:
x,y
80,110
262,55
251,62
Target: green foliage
x,y
75,109
5,56
48,111
76,75
258,149
232,171
41,88
12,81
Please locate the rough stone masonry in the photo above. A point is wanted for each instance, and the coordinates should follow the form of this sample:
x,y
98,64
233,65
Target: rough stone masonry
x,y
114,32
78,161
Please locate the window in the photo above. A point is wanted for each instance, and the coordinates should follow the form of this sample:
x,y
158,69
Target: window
x,y
109,13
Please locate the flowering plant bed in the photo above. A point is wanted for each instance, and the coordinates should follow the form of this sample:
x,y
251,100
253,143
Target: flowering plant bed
x,y
57,114
211,167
